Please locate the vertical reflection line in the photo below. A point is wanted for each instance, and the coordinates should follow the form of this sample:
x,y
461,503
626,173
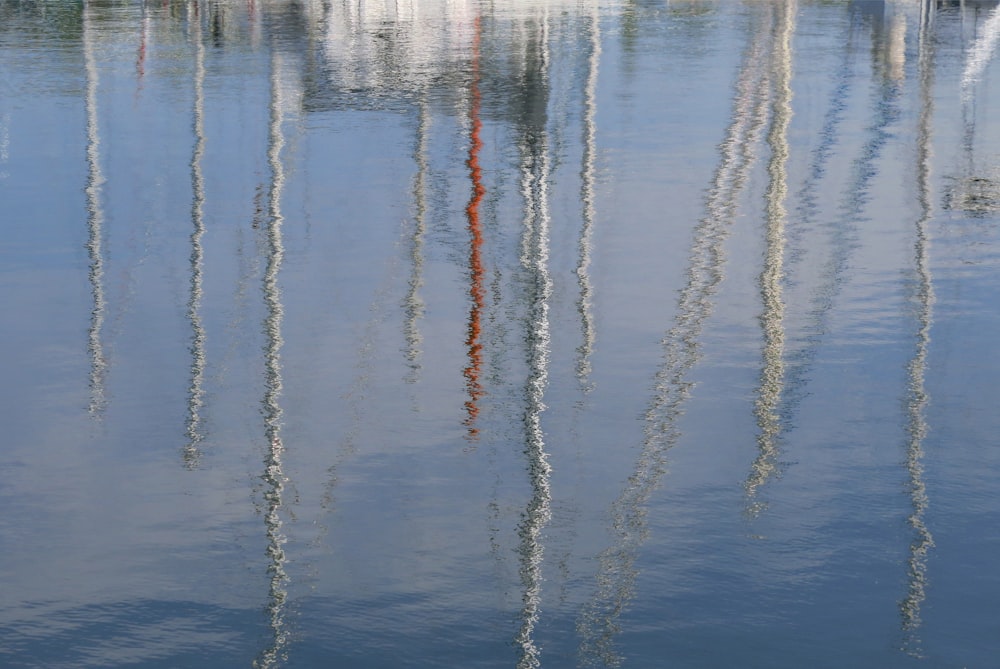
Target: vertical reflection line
x,y
772,377
598,624
535,259
274,477
140,59
584,303
917,398
95,226
192,452
477,292
413,303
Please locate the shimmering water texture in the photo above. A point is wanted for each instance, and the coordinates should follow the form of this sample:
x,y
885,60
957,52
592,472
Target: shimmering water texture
x,y
500,334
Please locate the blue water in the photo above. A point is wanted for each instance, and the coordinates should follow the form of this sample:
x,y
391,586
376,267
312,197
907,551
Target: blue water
x,y
530,334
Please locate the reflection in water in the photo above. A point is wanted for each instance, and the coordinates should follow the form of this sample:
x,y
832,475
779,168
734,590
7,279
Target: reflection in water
x,y
587,197
4,144
140,57
534,150
192,452
617,572
981,54
917,398
413,304
974,193
477,292
809,209
843,229
274,477
772,377
95,224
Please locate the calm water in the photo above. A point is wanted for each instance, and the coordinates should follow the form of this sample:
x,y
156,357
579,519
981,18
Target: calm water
x,y
499,334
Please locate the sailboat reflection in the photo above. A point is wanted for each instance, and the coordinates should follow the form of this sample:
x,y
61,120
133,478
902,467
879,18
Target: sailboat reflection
x,y
533,148
772,376
917,397
95,223
192,451
598,623
273,476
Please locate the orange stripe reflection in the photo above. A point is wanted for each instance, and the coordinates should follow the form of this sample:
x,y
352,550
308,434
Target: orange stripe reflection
x,y
476,273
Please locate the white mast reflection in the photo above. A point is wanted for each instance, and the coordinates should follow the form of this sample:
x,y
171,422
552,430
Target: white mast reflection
x,y
535,259
413,303
95,225
584,303
617,572
772,377
192,452
917,398
273,476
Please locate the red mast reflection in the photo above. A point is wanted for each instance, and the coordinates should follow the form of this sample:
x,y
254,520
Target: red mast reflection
x,y
476,273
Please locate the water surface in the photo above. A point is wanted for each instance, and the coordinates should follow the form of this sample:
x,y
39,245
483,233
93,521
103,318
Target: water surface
x,y
531,334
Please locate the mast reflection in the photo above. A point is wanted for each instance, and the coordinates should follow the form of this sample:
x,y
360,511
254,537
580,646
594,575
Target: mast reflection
x,y
192,451
917,397
617,573
95,224
477,291
273,476
413,304
584,303
772,377
535,167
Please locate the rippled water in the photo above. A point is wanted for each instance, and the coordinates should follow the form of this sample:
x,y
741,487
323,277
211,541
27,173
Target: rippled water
x,y
531,334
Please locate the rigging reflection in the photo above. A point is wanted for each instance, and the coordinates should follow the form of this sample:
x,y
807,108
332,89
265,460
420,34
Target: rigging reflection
x,y
843,229
598,624
274,477
95,223
772,376
192,450
535,168
917,397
